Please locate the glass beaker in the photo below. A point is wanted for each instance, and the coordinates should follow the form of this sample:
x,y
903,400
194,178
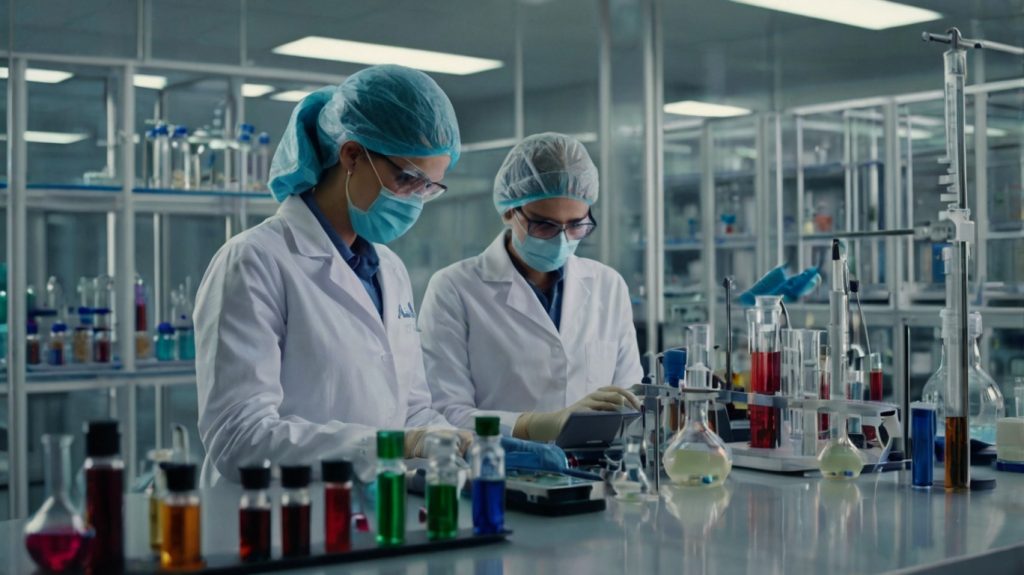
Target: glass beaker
x,y
790,382
840,459
811,386
57,538
629,481
697,456
765,367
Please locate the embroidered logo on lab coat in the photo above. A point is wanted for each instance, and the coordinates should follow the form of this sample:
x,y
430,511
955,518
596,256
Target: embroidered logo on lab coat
x,y
406,311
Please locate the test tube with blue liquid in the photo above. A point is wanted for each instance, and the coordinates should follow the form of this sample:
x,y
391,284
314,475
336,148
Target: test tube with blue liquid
x,y
923,422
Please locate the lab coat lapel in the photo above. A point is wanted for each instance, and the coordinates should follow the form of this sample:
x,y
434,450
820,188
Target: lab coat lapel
x,y
497,267
312,242
575,293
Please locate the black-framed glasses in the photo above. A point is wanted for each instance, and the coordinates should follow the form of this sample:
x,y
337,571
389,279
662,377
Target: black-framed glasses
x,y
410,181
547,229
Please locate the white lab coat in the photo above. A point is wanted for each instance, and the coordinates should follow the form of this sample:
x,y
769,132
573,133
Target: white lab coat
x,y
490,347
294,363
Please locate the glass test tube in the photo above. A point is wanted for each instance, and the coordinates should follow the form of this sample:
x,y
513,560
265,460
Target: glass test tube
x,y
790,381
922,443
390,487
698,354
876,375
337,477
958,455
811,372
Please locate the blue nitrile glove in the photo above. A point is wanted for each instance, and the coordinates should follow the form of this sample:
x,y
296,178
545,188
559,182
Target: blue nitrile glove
x,y
520,454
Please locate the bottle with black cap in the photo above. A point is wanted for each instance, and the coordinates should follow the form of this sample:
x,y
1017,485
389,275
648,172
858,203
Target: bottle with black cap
x,y
254,513
104,495
181,544
337,478
295,510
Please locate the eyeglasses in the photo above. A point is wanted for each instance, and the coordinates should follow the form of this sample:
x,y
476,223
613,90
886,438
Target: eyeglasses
x,y
411,181
547,229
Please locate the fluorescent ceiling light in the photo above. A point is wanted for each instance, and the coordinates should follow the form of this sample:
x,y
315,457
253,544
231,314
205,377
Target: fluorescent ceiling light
x,y
256,90
371,54
40,75
929,121
150,81
992,132
915,134
290,95
870,14
37,137
704,109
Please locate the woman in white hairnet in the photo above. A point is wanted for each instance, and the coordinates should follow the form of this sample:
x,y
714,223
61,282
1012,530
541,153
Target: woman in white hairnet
x,y
527,330
306,331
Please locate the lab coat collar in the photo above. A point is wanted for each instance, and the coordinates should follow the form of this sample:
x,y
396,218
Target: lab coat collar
x,y
310,239
496,266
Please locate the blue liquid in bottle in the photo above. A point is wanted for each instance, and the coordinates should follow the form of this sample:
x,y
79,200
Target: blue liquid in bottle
x,y
488,506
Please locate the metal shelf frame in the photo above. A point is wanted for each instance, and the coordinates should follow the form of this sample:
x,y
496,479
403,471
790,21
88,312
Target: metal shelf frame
x,y
123,203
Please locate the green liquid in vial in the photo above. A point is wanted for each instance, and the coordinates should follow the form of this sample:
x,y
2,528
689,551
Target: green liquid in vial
x,y
697,468
442,511
840,461
390,508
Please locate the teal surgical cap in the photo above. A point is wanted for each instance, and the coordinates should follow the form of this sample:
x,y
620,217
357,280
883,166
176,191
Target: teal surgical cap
x,y
543,166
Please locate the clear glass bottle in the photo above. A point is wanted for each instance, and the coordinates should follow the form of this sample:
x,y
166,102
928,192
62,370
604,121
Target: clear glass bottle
x,y
442,486
487,459
764,341
390,487
243,161
155,493
295,503
57,344
162,157
104,495
33,346
985,398
180,526
166,347
143,342
181,167
254,513
263,155
697,456
56,537
630,482
337,477
81,341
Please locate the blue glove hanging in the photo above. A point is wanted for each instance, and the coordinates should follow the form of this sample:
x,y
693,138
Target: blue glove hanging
x,y
776,282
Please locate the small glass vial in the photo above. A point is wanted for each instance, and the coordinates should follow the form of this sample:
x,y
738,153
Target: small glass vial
x,y
181,547
56,346
104,495
254,513
165,344
295,510
101,345
33,347
81,340
186,338
488,476
442,486
337,478
390,487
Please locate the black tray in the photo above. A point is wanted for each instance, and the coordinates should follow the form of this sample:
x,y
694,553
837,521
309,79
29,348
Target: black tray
x,y
364,547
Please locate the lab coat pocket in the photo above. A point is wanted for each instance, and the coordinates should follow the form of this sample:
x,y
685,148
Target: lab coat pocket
x,y
601,359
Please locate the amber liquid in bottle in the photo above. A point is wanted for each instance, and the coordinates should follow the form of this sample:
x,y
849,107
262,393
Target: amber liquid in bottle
x,y
180,548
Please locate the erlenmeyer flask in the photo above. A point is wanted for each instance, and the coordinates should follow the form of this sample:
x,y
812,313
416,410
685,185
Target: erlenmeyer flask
x,y
56,536
840,459
696,455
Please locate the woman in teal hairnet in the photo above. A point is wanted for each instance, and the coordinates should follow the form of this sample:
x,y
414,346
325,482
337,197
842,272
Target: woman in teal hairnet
x,y
305,326
527,330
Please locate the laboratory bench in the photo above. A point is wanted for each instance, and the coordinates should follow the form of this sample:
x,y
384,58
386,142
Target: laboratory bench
x,y
755,523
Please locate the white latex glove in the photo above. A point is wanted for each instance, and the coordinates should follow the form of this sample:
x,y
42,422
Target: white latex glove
x,y
416,441
545,426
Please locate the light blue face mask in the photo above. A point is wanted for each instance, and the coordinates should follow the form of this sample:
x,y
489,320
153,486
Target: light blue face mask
x,y
387,218
544,255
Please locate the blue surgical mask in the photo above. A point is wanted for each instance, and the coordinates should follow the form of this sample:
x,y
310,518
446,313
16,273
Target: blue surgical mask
x,y
387,218
544,255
